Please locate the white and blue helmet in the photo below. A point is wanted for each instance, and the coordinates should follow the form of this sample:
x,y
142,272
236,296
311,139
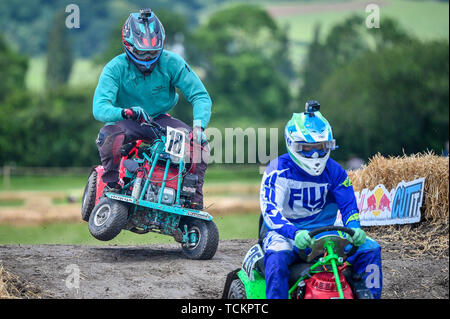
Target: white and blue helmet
x,y
309,139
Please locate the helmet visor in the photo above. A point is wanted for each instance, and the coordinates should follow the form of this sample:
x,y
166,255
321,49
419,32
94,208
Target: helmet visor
x,y
310,149
146,55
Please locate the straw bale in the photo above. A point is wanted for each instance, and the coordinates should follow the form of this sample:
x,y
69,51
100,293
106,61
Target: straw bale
x,y
12,287
390,171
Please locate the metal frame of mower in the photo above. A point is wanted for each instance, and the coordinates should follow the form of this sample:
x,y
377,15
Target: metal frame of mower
x,y
170,214
175,219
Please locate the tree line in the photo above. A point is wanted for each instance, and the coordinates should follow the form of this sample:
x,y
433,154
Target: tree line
x,y
382,89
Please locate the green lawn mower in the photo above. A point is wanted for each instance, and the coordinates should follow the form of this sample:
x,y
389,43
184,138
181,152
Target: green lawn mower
x,y
322,274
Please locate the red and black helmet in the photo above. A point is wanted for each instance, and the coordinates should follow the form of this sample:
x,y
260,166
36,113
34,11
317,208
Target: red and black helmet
x,y
143,38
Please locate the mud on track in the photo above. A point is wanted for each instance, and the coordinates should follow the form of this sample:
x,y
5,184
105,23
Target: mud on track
x,y
161,271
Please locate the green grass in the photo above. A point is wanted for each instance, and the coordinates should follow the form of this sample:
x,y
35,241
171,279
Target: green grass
x,y
35,74
84,73
424,19
11,202
233,173
236,226
66,200
45,183
214,174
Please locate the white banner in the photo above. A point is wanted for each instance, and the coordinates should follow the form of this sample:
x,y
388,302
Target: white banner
x,y
398,206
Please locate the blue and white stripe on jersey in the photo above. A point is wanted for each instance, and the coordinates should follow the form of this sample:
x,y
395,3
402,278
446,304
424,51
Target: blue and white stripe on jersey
x,y
291,199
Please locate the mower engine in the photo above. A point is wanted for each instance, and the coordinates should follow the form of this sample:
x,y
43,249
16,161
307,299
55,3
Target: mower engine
x,y
170,189
187,190
323,286
168,197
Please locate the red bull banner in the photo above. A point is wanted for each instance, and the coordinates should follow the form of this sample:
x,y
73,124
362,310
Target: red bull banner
x,y
398,206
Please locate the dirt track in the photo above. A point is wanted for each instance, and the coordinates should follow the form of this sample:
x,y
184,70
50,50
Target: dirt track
x,y
161,271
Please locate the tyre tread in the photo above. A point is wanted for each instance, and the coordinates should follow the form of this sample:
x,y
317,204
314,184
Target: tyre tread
x,y
208,247
119,215
238,288
91,191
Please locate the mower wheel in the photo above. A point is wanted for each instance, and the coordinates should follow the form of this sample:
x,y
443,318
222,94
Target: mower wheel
x,y
237,290
88,201
107,219
205,238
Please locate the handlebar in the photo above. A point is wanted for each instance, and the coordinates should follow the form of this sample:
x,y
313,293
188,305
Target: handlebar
x,y
319,230
153,123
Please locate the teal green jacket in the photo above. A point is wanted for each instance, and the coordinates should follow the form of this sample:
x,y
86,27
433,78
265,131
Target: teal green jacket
x,y
121,85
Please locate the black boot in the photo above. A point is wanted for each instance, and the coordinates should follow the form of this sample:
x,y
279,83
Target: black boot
x,y
113,187
356,282
197,206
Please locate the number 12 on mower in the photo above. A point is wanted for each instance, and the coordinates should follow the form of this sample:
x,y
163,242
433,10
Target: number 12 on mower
x,y
175,142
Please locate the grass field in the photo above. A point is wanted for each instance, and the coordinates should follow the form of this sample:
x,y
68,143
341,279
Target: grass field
x,y
45,183
240,225
424,19
84,73
215,174
236,226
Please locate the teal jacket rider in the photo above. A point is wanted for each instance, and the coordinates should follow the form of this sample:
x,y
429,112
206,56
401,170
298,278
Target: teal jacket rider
x,y
121,85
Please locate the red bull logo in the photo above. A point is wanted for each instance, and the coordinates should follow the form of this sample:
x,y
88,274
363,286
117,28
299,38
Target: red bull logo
x,y
375,202
381,207
399,206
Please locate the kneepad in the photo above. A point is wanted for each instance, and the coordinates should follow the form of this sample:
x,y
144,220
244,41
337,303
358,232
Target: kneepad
x,y
108,131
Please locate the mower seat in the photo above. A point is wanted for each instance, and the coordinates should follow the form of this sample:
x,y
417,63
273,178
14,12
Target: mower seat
x,y
131,165
296,270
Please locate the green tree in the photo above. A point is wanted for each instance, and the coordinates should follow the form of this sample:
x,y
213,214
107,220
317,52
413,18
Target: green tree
x,y
114,46
13,67
61,134
315,69
242,51
59,54
390,101
174,24
20,19
345,42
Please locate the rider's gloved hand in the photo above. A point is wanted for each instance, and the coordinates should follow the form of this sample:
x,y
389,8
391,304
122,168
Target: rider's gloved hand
x,y
136,113
302,239
359,237
199,135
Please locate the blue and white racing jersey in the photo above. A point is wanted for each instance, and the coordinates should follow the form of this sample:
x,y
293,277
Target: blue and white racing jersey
x,y
291,199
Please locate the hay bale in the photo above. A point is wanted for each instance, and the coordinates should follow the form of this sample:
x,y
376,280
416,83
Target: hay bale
x,y
392,170
12,287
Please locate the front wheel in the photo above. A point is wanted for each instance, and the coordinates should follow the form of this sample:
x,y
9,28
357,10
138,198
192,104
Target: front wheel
x,y
237,290
89,194
203,239
107,219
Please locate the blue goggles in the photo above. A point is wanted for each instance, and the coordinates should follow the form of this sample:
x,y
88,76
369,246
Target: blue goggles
x,y
310,149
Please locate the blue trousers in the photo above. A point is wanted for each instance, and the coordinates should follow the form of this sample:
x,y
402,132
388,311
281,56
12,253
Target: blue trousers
x,y
280,252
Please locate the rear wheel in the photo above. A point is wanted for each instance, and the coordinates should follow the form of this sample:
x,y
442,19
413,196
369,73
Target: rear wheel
x,y
237,290
107,219
204,239
88,200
